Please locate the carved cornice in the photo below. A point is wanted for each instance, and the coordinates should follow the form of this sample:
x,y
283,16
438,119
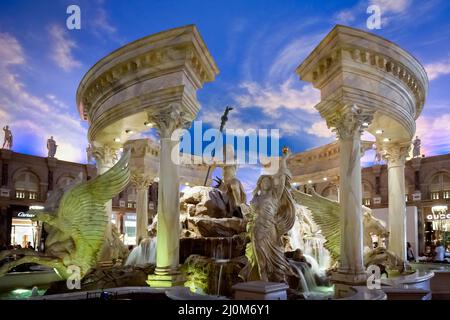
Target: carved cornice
x,y
377,60
179,49
349,122
169,120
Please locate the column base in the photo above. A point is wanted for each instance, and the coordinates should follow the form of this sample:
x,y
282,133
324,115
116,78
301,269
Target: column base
x,y
165,278
343,280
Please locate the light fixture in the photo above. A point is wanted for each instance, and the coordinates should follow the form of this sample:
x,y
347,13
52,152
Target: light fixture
x,y
186,183
379,131
365,124
129,131
116,139
386,140
148,124
309,181
325,179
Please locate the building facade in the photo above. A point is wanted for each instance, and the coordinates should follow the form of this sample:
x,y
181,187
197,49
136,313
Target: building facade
x,y
26,181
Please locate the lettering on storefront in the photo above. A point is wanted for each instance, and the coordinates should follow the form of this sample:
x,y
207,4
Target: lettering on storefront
x,y
442,216
25,215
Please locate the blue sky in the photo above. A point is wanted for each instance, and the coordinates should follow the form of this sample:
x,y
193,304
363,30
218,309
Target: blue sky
x,y
256,45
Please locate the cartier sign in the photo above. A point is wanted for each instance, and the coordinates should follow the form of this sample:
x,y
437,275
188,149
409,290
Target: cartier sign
x,y
24,215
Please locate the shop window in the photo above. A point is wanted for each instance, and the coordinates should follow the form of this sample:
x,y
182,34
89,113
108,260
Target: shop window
x,y
434,195
130,205
20,194
367,202
446,194
32,196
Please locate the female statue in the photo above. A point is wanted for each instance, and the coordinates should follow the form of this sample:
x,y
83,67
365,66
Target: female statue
x,y
273,214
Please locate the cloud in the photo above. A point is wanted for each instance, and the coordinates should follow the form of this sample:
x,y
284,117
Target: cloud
x,y
320,130
292,54
389,6
56,101
434,133
62,49
102,23
345,16
29,115
437,69
271,98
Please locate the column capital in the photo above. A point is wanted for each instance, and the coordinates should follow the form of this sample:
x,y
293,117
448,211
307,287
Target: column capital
x,y
170,119
349,122
141,181
396,153
105,155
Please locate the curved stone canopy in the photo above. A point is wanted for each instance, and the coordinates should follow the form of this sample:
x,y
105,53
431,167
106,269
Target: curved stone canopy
x,y
122,91
354,67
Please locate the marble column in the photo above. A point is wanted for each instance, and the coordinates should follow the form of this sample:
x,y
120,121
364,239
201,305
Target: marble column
x,y
349,126
395,155
105,158
141,182
168,227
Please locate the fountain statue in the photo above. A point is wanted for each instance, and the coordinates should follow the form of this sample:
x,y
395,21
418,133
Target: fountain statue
x,y
76,223
273,211
326,215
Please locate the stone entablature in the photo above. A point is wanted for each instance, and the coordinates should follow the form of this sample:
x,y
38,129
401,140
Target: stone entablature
x,y
144,77
353,67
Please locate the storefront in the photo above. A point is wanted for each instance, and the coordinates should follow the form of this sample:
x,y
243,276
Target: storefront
x,y
23,230
437,225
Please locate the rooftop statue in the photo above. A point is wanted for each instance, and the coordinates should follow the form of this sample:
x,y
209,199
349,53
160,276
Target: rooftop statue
x,y
76,221
8,139
416,147
51,147
326,215
273,215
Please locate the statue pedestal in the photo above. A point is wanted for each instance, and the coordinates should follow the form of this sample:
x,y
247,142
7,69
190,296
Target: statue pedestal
x,y
260,290
343,281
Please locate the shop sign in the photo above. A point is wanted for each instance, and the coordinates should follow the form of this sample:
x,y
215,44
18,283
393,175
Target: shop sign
x,y
24,215
439,213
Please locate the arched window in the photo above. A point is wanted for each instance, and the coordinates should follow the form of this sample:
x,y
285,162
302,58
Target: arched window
x,y
440,186
26,184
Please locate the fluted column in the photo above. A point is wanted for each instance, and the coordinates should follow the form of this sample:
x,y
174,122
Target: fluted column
x,y
168,227
395,155
105,158
348,125
141,182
